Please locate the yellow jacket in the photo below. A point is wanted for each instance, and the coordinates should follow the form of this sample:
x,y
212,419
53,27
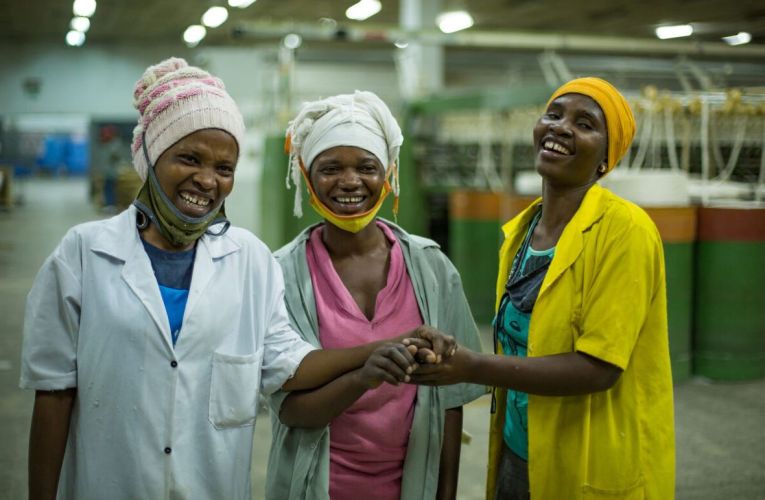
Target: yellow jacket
x,y
604,295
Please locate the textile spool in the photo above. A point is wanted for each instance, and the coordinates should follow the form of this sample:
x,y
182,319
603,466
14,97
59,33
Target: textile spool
x,y
677,226
474,240
650,188
730,293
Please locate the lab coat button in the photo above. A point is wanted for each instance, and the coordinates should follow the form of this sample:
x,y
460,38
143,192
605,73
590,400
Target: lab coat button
x,y
173,363
168,450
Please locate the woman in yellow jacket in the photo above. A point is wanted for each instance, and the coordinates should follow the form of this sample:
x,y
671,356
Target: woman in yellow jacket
x,y
583,392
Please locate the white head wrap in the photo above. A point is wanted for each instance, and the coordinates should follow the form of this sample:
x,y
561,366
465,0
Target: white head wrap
x,y
360,119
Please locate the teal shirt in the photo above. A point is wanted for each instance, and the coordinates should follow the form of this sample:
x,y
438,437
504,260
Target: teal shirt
x,y
514,336
298,463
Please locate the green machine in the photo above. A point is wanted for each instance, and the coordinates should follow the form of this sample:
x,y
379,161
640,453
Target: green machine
x,y
677,227
730,294
278,225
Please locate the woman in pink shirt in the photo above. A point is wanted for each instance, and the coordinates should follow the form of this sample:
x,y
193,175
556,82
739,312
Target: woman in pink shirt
x,y
352,280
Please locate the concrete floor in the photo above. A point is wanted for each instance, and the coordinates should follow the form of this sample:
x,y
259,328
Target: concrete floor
x,y
720,427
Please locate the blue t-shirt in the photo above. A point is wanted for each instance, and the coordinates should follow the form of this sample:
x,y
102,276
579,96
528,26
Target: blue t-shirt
x,y
513,335
173,272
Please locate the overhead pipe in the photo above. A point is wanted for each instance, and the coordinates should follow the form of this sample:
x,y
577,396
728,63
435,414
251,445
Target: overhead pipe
x,y
498,39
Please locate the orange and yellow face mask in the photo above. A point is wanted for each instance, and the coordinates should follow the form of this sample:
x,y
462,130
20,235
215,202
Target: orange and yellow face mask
x,y
351,223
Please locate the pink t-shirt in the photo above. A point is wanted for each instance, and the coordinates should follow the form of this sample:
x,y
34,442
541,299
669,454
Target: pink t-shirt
x,y
368,441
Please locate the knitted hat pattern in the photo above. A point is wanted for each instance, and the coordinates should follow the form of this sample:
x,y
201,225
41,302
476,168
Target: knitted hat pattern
x,y
175,100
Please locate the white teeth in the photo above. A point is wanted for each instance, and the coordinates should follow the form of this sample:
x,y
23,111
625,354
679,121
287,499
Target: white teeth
x,y
350,199
202,202
556,147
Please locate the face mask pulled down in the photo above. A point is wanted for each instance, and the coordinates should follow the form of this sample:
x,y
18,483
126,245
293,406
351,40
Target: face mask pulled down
x,y
351,223
177,228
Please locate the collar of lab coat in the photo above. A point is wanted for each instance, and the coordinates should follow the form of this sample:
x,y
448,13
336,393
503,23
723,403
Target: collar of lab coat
x,y
119,239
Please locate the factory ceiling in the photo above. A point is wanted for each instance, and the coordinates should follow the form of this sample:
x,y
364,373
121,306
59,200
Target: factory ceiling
x,y
164,21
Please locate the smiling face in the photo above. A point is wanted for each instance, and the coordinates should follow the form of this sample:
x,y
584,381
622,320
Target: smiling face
x,y
571,141
347,180
197,172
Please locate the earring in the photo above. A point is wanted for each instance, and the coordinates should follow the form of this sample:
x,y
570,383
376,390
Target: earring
x,y
602,169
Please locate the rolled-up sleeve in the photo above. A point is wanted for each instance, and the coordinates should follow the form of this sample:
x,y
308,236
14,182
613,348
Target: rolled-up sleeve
x,y
51,325
284,349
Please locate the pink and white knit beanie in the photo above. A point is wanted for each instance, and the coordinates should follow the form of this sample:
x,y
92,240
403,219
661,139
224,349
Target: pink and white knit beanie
x,y
175,100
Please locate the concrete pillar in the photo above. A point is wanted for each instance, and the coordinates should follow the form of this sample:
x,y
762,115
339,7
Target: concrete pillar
x,y
420,65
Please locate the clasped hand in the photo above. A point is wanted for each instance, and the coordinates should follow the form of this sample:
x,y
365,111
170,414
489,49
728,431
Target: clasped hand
x,y
396,361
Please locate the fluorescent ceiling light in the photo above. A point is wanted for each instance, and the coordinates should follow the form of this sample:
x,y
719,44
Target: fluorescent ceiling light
x,y
677,31
81,24
293,41
194,34
457,20
240,4
364,9
75,38
84,8
739,39
214,17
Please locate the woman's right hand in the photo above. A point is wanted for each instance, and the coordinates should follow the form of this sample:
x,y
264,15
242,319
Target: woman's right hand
x,y
453,370
392,363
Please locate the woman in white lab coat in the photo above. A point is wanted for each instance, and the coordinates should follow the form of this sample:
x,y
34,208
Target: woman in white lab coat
x,y
148,336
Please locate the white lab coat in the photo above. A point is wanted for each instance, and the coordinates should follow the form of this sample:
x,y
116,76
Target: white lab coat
x,y
149,420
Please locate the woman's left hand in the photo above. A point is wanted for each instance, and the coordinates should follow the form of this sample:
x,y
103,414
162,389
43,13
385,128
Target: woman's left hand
x,y
391,363
429,344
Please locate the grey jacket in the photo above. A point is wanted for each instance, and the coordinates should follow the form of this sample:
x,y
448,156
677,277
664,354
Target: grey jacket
x,y
298,464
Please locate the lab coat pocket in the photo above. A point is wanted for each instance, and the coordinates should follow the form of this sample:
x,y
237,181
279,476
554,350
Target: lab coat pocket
x,y
234,389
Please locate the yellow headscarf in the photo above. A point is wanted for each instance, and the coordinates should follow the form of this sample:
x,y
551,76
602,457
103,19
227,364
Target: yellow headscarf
x,y
620,122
